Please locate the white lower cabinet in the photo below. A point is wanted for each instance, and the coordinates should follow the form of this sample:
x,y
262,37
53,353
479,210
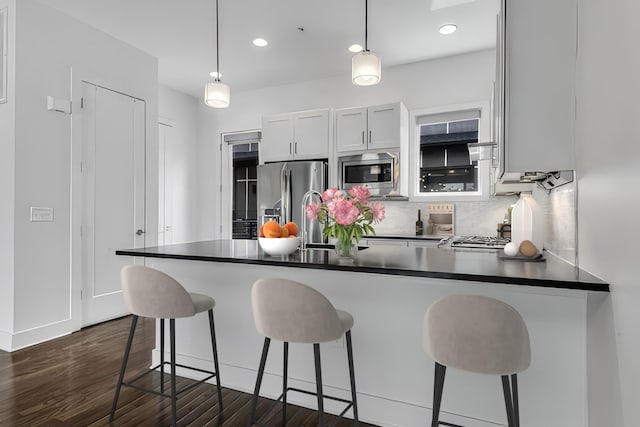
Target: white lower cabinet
x,y
382,241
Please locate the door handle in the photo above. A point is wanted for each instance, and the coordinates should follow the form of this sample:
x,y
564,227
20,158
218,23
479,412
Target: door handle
x,y
139,232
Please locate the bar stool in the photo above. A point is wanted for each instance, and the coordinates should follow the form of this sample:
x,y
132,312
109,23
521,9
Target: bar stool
x,y
477,334
153,294
295,313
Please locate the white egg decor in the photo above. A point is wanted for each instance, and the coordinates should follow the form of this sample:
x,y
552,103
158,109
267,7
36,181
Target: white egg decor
x,y
511,249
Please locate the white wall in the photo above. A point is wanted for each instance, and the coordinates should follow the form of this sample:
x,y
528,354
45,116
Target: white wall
x,y
454,80
607,155
7,188
182,112
48,44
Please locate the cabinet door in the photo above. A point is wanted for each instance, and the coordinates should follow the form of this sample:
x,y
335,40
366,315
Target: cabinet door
x,y
426,243
277,138
540,82
384,126
351,129
386,242
311,136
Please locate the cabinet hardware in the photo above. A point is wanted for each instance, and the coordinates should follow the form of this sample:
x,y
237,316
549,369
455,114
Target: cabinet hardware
x,y
363,138
295,148
370,138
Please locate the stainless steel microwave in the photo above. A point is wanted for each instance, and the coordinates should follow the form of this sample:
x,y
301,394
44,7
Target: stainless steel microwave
x,y
378,172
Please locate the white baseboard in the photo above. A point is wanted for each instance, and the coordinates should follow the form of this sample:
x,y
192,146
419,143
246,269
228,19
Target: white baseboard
x,y
372,409
22,339
5,341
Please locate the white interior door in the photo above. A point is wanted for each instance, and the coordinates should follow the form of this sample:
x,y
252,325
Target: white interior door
x,y
113,165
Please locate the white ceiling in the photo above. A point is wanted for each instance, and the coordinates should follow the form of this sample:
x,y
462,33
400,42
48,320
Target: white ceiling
x,y
181,34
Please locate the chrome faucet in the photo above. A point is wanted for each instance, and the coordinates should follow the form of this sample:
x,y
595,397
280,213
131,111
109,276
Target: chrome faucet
x,y
305,200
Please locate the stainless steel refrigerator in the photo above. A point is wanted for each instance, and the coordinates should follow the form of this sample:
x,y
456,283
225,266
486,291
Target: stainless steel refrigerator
x,y
281,187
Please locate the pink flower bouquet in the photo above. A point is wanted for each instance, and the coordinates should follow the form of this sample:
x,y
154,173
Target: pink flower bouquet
x,y
347,216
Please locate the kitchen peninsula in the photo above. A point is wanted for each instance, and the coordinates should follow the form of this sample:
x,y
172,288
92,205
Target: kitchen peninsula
x,y
387,289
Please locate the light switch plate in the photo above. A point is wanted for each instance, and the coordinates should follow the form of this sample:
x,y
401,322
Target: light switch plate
x,y
41,214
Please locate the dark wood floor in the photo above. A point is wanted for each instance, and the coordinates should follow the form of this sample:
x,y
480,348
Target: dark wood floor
x,y
70,382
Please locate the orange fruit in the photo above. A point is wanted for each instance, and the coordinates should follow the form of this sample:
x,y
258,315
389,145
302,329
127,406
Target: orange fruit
x,y
271,229
292,228
284,232
261,231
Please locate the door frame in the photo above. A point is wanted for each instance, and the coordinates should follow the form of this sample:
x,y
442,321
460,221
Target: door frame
x,y
78,75
226,182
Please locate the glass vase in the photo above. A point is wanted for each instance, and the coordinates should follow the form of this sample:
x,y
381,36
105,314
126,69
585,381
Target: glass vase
x,y
346,248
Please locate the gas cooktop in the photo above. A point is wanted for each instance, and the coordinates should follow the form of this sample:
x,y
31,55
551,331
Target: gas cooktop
x,y
479,242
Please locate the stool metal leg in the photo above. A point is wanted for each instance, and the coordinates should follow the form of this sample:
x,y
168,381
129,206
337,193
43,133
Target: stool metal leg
x,y
316,354
214,347
516,407
125,359
506,388
438,387
172,339
352,378
161,355
285,372
263,362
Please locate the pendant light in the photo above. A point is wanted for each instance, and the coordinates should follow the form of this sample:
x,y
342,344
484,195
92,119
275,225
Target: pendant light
x,y
365,66
216,93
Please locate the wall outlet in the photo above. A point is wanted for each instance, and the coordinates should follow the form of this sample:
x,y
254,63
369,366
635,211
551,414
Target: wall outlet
x,y
41,214
339,343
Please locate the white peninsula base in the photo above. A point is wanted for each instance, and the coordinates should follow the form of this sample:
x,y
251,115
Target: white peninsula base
x,y
394,377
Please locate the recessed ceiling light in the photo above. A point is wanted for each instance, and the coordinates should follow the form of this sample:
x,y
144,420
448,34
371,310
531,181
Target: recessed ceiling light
x,y
260,42
355,48
215,75
448,29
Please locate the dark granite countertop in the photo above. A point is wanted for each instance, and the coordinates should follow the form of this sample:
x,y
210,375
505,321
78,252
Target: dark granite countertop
x,y
480,265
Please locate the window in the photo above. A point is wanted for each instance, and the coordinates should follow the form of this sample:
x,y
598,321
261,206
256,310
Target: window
x,y
441,167
444,157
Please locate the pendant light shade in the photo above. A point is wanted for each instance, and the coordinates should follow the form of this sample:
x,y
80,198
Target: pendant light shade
x,y
365,65
216,93
365,68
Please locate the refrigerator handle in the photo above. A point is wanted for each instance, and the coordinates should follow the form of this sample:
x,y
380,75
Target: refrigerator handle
x,y
289,212
285,191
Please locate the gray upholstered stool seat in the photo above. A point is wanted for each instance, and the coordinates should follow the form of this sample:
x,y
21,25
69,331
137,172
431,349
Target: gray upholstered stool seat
x,y
202,302
477,334
292,312
154,294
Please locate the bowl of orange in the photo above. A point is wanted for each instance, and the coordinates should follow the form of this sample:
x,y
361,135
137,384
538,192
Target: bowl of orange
x,y
278,240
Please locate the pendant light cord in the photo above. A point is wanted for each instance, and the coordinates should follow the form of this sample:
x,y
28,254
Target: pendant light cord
x,y
366,15
217,45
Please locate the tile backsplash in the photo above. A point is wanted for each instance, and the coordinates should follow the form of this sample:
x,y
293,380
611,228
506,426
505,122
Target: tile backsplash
x,y
477,218
480,218
561,222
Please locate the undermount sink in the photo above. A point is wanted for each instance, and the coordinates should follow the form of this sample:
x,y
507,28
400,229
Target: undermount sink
x,y
329,246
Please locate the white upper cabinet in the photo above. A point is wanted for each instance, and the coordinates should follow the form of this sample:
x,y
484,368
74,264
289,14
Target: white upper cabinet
x,y
540,56
295,136
351,129
384,125
370,128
